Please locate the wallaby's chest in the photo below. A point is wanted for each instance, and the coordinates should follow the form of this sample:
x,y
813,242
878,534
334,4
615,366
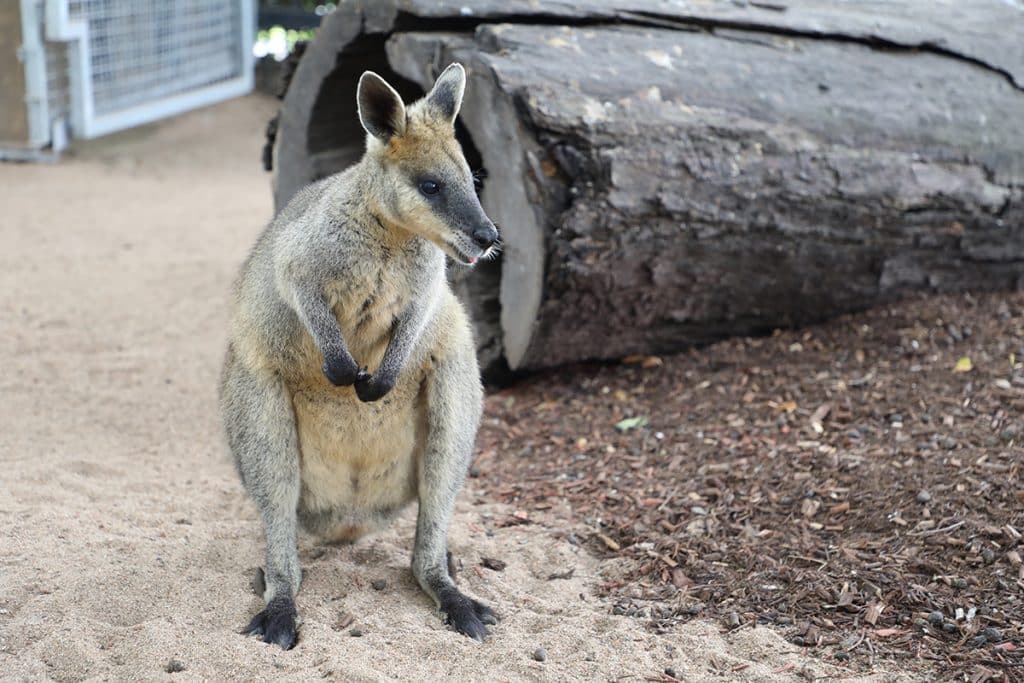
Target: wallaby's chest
x,y
367,300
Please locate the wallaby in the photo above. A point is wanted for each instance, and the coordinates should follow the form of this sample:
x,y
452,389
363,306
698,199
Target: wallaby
x,y
350,384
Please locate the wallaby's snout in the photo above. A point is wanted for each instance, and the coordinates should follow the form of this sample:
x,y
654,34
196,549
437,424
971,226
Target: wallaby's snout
x,y
485,235
473,235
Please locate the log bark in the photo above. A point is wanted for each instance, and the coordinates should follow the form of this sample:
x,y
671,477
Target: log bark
x,y
666,175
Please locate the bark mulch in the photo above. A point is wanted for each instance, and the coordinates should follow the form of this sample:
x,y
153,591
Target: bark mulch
x,y
856,484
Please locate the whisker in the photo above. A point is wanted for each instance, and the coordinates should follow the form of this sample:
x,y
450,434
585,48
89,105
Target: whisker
x,y
479,176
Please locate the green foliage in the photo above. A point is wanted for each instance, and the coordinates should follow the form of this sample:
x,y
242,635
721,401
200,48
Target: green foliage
x,y
278,41
288,36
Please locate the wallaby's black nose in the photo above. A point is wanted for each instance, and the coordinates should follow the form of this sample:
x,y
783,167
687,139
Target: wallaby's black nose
x,y
485,236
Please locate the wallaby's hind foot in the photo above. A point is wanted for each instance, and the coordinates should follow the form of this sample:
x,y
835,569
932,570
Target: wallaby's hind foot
x,y
276,623
465,615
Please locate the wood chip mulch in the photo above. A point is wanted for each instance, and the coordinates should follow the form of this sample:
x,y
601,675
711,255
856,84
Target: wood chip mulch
x,y
856,484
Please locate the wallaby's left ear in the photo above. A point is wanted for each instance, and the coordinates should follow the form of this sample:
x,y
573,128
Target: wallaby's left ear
x,y
446,95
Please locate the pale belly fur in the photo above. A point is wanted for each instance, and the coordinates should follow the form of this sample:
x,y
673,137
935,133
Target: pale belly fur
x,y
358,460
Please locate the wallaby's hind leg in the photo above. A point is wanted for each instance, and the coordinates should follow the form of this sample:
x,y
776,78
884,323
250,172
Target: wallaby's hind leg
x,y
454,402
261,433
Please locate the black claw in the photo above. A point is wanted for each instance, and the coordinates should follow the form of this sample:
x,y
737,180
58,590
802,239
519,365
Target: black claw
x,y
467,616
340,371
275,624
485,613
370,388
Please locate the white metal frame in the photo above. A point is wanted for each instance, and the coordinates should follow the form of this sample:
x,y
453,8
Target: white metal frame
x,y
33,54
85,122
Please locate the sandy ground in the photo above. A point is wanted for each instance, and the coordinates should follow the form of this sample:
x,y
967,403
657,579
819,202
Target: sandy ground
x,y
126,540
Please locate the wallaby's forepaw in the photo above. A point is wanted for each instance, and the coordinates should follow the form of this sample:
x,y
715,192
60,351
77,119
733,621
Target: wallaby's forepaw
x,y
372,387
468,616
275,624
342,372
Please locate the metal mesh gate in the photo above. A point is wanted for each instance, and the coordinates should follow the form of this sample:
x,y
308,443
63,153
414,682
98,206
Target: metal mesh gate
x,y
96,66
141,52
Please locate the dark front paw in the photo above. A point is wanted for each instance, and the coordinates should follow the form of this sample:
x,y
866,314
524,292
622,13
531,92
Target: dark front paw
x,y
372,387
341,371
467,616
275,624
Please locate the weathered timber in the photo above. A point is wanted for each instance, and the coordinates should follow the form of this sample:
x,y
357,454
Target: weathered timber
x,y
14,130
668,174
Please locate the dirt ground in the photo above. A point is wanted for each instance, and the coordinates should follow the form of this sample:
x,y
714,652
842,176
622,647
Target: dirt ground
x,y
128,546
856,485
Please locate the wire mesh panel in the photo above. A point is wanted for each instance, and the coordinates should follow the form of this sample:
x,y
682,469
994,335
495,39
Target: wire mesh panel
x,y
104,65
145,51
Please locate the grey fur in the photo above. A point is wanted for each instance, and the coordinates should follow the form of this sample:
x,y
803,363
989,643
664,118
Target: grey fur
x,y
350,386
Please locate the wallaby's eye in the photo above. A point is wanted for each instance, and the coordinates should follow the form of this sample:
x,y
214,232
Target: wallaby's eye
x,y
429,187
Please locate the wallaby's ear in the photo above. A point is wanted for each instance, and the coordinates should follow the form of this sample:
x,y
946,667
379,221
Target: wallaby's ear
x,y
380,108
446,95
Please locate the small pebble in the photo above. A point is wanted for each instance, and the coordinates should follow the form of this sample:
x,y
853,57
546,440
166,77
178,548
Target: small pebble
x,y
618,609
978,641
936,618
670,672
949,627
920,623
842,655
174,666
959,582
734,620
379,584
356,633
993,634
696,609
540,654
924,497
493,564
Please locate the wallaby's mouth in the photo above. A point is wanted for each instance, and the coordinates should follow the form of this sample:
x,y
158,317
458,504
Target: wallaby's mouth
x,y
463,251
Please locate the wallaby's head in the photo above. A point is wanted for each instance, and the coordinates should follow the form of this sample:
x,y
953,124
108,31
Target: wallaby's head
x,y
421,179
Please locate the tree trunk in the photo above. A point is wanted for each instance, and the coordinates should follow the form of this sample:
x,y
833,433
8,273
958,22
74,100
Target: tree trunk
x,y
665,176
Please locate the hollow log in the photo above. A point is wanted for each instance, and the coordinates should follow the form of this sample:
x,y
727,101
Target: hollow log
x,y
667,174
